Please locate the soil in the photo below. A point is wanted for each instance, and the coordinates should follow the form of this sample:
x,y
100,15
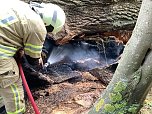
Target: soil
x,y
68,97
72,97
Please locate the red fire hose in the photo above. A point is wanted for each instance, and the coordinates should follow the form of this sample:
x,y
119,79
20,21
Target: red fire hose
x,y
28,90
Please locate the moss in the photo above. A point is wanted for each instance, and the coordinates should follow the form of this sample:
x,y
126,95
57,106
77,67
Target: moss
x,y
118,106
119,87
99,105
115,97
121,112
133,108
124,103
109,108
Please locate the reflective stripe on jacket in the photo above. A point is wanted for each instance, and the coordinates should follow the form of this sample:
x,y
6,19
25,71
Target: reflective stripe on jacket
x,y
33,48
20,27
6,52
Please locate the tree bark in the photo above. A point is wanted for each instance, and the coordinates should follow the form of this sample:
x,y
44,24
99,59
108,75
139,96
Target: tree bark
x,y
133,77
96,16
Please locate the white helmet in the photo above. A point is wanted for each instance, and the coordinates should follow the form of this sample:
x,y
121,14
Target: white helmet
x,y
52,15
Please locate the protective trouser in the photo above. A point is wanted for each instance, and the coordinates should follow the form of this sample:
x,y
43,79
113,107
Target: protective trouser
x,y
11,89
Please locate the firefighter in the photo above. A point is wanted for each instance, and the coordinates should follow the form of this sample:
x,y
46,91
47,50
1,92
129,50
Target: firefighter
x,y
23,25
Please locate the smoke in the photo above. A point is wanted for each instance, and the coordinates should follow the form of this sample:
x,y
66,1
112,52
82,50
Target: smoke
x,y
86,56
58,54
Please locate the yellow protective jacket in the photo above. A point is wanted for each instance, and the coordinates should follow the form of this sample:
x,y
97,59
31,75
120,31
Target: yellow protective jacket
x,y
20,26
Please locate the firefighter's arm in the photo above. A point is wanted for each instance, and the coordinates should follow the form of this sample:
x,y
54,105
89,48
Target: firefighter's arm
x,y
34,40
27,60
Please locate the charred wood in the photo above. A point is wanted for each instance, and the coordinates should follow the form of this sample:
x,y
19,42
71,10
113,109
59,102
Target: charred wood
x,y
79,56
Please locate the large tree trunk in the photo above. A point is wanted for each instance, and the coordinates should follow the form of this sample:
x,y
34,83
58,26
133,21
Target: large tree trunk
x,y
133,77
97,16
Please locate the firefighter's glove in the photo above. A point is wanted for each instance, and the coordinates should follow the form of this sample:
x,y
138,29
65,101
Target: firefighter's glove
x,y
19,54
36,63
29,70
41,61
44,55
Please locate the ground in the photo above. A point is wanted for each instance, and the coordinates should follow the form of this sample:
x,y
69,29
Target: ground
x,y
67,97
73,97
